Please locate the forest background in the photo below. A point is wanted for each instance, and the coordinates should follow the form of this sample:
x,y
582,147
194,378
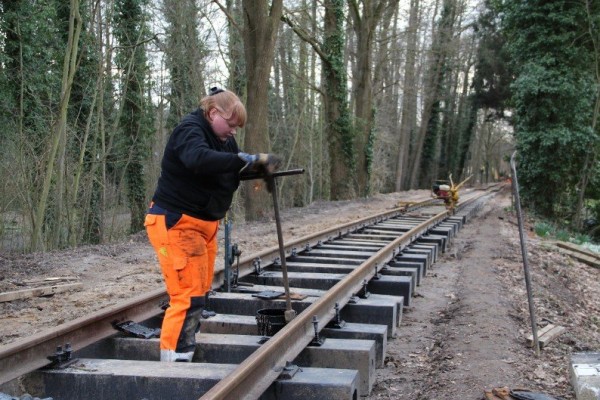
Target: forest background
x,y
367,96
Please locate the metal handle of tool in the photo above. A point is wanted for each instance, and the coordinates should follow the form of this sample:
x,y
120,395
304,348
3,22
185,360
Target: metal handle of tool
x,y
227,270
256,175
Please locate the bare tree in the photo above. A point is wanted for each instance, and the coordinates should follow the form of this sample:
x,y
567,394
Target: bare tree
x,y
408,123
590,160
59,131
260,34
366,15
426,139
185,54
338,124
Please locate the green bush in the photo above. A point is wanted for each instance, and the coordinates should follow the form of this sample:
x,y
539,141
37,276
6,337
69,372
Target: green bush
x,y
543,229
582,238
563,235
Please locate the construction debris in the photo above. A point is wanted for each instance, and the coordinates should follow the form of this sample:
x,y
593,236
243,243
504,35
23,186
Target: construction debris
x,y
46,281
579,253
547,334
504,393
38,292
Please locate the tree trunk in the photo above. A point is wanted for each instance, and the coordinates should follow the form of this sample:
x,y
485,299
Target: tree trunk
x,y
590,160
135,125
60,127
427,137
388,56
260,34
463,119
185,54
337,115
364,25
408,122
337,118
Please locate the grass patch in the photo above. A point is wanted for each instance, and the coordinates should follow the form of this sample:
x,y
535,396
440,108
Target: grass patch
x,y
548,230
543,229
563,235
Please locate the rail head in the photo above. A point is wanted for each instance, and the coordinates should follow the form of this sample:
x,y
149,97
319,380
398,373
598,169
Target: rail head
x,y
28,354
246,265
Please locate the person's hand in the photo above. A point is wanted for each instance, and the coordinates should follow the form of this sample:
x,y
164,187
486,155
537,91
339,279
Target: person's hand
x,y
260,163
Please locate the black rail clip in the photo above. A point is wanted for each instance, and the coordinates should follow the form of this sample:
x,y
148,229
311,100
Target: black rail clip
x,y
337,322
364,293
317,341
62,359
137,330
256,265
288,371
377,275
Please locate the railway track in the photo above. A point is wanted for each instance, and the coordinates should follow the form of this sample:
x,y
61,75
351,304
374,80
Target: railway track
x,y
349,285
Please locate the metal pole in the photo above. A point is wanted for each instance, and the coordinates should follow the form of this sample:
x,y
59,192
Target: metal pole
x,y
289,313
228,255
536,342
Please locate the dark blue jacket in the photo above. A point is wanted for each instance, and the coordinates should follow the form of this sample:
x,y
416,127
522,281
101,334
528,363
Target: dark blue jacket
x,y
199,172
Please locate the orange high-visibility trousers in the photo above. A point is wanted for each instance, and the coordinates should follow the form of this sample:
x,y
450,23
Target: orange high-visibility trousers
x,y
186,253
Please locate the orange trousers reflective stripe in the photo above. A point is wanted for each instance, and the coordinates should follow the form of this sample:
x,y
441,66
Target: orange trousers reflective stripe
x,y
186,254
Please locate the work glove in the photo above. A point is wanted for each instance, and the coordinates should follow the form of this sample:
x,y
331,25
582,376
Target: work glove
x,y
260,163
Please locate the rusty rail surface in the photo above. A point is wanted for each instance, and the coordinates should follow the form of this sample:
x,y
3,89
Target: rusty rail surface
x,y
268,255
28,354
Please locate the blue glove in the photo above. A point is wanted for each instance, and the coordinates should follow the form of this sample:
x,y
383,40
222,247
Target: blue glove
x,y
261,162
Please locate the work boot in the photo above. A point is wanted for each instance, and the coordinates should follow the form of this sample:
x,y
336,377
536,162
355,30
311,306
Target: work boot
x,y
173,356
207,314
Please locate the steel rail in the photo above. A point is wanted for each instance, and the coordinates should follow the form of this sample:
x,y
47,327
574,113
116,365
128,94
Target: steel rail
x,y
270,254
28,354
256,373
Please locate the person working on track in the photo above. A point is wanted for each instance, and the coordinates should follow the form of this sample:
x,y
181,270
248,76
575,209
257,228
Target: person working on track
x,y
200,171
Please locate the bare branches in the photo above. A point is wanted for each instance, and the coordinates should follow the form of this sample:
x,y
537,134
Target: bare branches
x,y
304,35
230,17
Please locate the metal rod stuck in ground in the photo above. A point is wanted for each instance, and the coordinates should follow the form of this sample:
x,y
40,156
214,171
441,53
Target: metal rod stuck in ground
x,y
515,184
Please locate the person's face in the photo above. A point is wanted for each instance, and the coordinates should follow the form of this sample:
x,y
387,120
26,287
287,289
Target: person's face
x,y
223,128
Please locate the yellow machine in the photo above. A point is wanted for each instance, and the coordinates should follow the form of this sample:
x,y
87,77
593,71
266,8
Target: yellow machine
x,y
448,193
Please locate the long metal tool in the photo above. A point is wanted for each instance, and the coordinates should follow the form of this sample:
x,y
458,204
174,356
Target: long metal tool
x,y
536,342
289,314
272,185
228,254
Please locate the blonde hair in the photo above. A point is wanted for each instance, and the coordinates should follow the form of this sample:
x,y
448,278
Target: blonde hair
x,y
227,103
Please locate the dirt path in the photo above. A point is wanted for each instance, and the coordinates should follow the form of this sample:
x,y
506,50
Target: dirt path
x,y
466,329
